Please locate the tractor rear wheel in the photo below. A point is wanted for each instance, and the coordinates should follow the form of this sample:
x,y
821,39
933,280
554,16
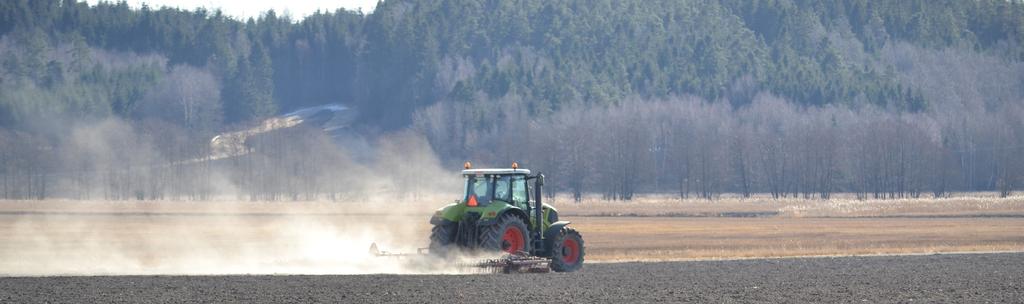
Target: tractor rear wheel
x,y
567,251
509,234
442,239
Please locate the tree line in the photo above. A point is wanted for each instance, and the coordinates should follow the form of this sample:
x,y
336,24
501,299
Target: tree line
x,y
701,149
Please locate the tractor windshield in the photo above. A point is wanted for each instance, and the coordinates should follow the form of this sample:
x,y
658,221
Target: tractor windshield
x,y
486,188
479,188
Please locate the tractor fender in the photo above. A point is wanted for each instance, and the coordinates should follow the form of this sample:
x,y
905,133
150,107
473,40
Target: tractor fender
x,y
450,213
549,235
513,210
437,220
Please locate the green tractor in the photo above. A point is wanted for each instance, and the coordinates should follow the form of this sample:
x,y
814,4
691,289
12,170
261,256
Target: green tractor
x,y
497,214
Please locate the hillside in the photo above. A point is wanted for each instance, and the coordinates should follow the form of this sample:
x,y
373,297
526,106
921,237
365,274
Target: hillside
x,y
789,97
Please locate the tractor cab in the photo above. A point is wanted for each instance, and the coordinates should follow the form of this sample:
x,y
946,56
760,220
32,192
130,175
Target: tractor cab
x,y
506,186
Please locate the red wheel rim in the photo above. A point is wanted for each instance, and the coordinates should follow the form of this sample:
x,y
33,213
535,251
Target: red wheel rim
x,y
570,251
513,241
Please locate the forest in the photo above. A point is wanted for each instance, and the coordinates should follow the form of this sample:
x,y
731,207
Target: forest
x,y
697,98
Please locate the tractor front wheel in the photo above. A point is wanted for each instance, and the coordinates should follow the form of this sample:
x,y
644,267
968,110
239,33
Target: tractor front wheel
x,y
509,234
567,251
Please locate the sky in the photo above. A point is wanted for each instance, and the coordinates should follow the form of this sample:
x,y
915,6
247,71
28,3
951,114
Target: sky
x,y
243,9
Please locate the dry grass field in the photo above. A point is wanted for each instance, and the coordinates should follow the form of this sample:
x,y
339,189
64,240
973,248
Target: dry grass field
x,y
843,205
71,237
667,228
668,238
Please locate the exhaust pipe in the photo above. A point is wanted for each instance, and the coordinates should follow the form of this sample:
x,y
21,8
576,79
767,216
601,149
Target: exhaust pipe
x,y
538,215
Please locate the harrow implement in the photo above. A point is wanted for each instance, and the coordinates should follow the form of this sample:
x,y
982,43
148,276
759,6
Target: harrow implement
x,y
520,262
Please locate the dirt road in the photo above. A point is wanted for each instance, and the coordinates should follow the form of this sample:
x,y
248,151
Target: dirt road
x,y
966,278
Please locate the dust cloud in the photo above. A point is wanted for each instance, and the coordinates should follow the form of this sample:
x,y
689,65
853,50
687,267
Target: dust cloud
x,y
122,202
46,238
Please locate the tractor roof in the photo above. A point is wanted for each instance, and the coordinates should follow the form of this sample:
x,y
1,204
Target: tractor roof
x,y
496,171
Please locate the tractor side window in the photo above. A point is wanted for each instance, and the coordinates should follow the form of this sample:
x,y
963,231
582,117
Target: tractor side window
x,y
519,190
501,190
